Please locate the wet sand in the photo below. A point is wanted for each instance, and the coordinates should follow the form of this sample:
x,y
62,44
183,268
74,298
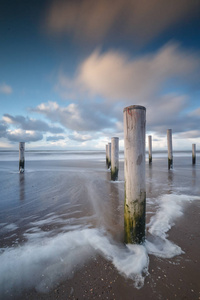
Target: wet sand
x,y
175,278
86,196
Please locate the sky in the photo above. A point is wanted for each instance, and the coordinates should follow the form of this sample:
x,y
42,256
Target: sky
x,y
68,68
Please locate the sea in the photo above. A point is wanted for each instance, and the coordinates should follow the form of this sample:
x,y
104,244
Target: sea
x,y
64,209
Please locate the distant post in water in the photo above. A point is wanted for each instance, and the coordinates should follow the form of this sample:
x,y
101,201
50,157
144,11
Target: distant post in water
x,y
114,158
109,155
150,148
134,172
21,157
193,154
170,151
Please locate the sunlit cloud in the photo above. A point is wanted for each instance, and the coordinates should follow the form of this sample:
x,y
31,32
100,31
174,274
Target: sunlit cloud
x,y
195,113
116,76
119,80
5,89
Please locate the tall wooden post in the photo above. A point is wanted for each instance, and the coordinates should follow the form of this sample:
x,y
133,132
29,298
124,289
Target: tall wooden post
x,y
134,172
193,154
114,158
109,155
170,151
150,148
21,157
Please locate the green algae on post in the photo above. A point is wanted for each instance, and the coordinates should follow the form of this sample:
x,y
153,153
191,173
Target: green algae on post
x,y
193,154
114,158
21,157
109,155
134,172
114,173
150,148
134,224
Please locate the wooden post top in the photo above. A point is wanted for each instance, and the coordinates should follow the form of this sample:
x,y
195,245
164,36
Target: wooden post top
x,y
134,107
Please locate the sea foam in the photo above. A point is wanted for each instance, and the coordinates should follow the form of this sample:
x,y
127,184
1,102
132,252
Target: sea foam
x,y
47,258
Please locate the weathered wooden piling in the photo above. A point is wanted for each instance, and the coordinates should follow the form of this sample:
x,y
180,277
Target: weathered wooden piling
x,y
193,154
114,158
134,172
21,157
109,155
150,148
170,151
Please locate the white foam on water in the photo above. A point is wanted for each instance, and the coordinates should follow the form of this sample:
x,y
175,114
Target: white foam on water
x,y
43,263
8,227
171,207
48,257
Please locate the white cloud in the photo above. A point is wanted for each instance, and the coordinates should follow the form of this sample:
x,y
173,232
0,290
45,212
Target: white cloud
x,y
5,144
5,89
7,119
80,137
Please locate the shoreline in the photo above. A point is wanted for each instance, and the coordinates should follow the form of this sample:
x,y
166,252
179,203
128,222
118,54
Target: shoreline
x,y
42,207
174,278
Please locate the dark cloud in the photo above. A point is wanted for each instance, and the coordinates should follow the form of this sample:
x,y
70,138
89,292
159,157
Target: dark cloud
x,y
3,129
19,128
31,124
94,21
23,136
193,134
82,117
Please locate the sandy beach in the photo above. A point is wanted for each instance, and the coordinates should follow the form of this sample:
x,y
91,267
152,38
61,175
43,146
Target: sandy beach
x,y
176,278
62,232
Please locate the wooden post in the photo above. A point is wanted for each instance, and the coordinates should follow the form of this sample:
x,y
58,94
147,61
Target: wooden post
x,y
170,151
193,154
109,155
114,158
150,148
21,157
134,172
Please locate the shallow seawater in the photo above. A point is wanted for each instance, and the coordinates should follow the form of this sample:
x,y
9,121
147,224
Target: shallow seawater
x,y
64,210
